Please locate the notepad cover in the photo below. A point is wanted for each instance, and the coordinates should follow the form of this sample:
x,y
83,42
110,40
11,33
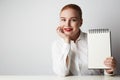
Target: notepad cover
x,y
99,48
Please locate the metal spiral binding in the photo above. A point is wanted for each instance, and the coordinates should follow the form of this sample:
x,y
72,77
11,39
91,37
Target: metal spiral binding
x,y
99,30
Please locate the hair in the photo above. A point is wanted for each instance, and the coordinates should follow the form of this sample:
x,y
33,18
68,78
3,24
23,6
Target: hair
x,y
73,6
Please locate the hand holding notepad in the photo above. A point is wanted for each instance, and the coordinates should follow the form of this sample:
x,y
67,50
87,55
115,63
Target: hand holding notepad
x,y
99,48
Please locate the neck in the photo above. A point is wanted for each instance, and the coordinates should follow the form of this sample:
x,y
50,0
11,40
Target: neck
x,y
75,37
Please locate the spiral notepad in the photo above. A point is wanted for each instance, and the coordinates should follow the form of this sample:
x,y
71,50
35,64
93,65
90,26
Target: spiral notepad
x,y
99,47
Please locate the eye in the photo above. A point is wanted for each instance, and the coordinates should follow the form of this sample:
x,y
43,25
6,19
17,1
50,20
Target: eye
x,y
63,19
74,20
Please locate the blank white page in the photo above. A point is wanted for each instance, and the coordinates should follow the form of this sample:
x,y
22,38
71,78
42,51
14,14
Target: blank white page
x,y
99,48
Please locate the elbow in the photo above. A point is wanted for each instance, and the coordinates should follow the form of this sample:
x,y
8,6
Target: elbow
x,y
61,73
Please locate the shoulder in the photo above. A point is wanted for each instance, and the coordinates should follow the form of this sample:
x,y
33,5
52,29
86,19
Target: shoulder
x,y
57,42
83,39
84,35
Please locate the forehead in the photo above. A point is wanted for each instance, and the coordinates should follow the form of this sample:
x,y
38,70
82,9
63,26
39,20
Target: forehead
x,y
69,13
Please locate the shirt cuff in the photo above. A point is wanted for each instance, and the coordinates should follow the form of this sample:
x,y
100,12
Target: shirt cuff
x,y
105,73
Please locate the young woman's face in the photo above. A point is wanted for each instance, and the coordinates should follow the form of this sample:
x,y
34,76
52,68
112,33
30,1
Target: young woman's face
x,y
70,21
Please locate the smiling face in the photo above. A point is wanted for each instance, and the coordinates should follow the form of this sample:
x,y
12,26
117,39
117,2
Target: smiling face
x,y
70,21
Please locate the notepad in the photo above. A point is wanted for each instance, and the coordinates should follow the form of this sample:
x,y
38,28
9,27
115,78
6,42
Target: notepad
x,y
99,48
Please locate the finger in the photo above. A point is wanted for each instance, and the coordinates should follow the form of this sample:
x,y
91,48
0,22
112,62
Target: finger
x,y
59,29
62,30
109,58
107,61
113,66
107,64
110,63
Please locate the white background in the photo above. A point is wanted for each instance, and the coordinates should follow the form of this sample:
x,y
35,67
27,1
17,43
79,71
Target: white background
x,y
28,28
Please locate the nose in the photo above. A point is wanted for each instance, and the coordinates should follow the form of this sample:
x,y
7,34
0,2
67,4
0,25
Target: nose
x,y
67,23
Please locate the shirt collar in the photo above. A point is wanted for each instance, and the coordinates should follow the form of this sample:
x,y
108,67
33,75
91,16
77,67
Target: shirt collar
x,y
80,36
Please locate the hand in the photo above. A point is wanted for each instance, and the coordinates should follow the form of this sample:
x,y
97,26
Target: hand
x,y
63,35
110,62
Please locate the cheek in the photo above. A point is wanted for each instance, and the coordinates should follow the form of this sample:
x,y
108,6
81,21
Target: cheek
x,y
76,29
62,23
76,26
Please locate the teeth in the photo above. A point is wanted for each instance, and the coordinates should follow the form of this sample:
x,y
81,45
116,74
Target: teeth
x,y
68,29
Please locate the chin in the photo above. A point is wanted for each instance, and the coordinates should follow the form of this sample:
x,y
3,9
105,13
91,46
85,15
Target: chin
x,y
68,33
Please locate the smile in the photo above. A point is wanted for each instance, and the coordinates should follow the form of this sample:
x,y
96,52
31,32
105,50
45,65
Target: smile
x,y
68,29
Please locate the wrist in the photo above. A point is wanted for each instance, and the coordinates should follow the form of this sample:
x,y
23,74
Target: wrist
x,y
67,40
109,72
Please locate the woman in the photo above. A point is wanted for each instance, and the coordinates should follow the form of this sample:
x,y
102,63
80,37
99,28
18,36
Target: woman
x,y
69,53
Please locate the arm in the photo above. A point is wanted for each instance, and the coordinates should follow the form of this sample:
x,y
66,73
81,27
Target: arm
x,y
61,54
61,59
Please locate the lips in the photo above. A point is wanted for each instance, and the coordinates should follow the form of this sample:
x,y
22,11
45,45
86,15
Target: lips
x,y
68,29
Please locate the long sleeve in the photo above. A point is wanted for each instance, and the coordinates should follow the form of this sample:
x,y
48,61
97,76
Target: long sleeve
x,y
60,52
105,73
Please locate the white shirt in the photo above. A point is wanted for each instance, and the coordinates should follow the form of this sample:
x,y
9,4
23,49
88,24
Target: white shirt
x,y
77,53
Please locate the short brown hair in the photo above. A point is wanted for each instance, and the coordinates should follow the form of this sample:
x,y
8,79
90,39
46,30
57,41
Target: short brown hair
x,y
75,7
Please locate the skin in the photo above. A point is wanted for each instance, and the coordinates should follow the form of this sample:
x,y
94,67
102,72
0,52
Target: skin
x,y
70,20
